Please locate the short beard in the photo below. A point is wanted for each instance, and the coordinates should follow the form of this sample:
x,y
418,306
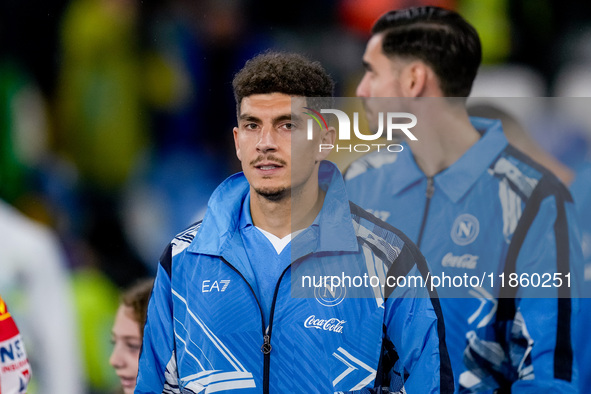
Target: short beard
x,y
273,195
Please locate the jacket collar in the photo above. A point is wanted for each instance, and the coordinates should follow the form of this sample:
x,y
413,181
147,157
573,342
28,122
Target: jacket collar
x,y
457,179
331,231
222,216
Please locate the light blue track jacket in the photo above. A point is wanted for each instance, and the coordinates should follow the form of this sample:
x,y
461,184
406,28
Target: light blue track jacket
x,y
205,331
492,214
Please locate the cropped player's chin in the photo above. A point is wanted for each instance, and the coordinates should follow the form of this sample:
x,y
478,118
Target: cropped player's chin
x,y
276,193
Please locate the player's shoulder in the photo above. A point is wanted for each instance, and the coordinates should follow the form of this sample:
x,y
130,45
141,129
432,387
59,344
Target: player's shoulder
x,y
387,243
183,239
385,237
179,243
525,176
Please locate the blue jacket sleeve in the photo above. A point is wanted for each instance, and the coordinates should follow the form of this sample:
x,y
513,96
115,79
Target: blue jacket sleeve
x,y
414,326
551,246
157,365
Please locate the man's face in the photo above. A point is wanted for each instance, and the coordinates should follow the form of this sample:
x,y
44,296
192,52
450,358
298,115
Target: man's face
x,y
381,82
272,146
382,74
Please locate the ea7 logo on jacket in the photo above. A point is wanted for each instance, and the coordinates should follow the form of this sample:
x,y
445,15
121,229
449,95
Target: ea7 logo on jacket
x,y
207,286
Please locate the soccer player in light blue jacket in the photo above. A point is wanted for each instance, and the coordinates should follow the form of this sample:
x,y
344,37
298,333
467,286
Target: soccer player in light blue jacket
x,y
578,179
239,306
475,206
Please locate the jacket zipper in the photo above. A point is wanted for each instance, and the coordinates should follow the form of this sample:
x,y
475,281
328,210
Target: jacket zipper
x,y
266,347
429,193
270,330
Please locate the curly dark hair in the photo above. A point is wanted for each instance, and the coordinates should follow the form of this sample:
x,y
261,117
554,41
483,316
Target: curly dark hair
x,y
137,297
282,72
439,37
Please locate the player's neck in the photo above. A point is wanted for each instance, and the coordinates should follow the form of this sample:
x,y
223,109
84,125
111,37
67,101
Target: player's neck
x,y
294,212
443,139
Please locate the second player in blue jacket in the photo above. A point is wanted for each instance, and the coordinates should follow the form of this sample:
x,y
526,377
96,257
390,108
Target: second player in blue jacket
x,y
491,214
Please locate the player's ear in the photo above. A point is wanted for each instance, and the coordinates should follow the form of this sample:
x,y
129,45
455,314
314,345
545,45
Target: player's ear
x,y
237,143
415,77
327,139
330,135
